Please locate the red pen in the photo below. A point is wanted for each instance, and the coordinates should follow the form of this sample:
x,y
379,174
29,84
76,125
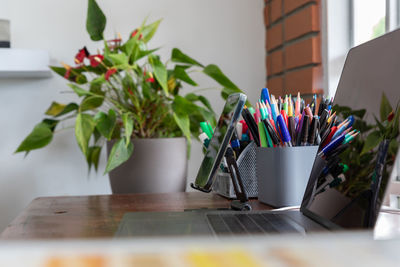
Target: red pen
x,y
329,138
285,117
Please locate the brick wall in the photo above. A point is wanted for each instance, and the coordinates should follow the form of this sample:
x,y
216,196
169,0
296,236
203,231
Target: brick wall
x,y
293,46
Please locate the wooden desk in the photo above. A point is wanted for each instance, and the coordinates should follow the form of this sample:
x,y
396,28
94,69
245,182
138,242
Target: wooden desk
x,y
99,216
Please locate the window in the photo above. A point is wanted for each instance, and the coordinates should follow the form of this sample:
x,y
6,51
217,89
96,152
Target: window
x,y
348,23
369,20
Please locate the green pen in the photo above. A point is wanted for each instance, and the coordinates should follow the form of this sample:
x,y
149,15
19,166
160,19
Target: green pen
x,y
205,129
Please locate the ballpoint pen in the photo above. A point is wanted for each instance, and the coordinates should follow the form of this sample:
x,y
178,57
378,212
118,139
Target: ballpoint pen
x,y
332,145
285,133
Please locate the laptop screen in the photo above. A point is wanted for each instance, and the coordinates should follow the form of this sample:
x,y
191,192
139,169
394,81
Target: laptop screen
x,y
347,184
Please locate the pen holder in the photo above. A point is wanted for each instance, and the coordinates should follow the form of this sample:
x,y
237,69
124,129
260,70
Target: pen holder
x,y
247,168
283,173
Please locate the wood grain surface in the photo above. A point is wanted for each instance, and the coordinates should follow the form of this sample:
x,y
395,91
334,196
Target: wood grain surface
x,y
99,216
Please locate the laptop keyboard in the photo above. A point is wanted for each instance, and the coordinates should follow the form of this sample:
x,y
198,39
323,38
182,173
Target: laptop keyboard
x,y
250,223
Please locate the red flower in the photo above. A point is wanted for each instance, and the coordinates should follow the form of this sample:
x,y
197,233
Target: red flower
x,y
130,91
109,73
67,73
95,60
150,79
82,54
390,116
134,34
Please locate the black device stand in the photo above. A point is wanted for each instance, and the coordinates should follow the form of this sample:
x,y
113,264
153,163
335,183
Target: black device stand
x,y
242,202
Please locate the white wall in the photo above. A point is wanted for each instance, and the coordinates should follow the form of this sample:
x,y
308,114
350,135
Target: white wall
x,y
229,33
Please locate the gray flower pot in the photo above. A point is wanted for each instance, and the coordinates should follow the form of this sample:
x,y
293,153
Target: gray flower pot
x,y
157,165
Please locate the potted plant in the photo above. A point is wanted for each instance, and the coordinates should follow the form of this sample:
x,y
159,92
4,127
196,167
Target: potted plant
x,y
133,102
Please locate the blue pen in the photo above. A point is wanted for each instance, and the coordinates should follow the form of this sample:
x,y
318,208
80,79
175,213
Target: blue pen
x,y
284,131
351,121
332,145
265,95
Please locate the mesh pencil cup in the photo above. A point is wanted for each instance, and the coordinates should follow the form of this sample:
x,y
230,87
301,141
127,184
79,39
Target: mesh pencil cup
x,y
282,174
247,168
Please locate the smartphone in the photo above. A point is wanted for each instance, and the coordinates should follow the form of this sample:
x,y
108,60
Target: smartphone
x,y
219,141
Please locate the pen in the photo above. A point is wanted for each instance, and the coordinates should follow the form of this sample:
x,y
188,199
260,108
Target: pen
x,y
313,131
252,125
265,95
292,127
304,131
271,131
332,145
285,133
204,127
297,105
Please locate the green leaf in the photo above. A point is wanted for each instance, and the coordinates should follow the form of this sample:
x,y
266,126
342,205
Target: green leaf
x,y
119,59
178,56
160,73
183,106
57,109
96,21
119,154
215,73
52,124
182,120
105,124
143,53
75,76
180,73
91,102
385,107
372,140
148,31
79,91
193,97
93,156
40,137
128,124
84,127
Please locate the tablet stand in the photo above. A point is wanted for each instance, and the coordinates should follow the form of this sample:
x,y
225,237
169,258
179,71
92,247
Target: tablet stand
x,y
242,202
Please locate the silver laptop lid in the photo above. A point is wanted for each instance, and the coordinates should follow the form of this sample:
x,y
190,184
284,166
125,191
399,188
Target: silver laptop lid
x,y
346,190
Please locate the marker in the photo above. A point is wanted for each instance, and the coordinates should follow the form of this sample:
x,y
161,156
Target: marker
x,y
204,127
265,95
297,105
252,125
204,139
304,131
292,127
313,131
272,133
285,133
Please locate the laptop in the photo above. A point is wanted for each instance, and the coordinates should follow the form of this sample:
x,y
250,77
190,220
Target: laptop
x,y
371,70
